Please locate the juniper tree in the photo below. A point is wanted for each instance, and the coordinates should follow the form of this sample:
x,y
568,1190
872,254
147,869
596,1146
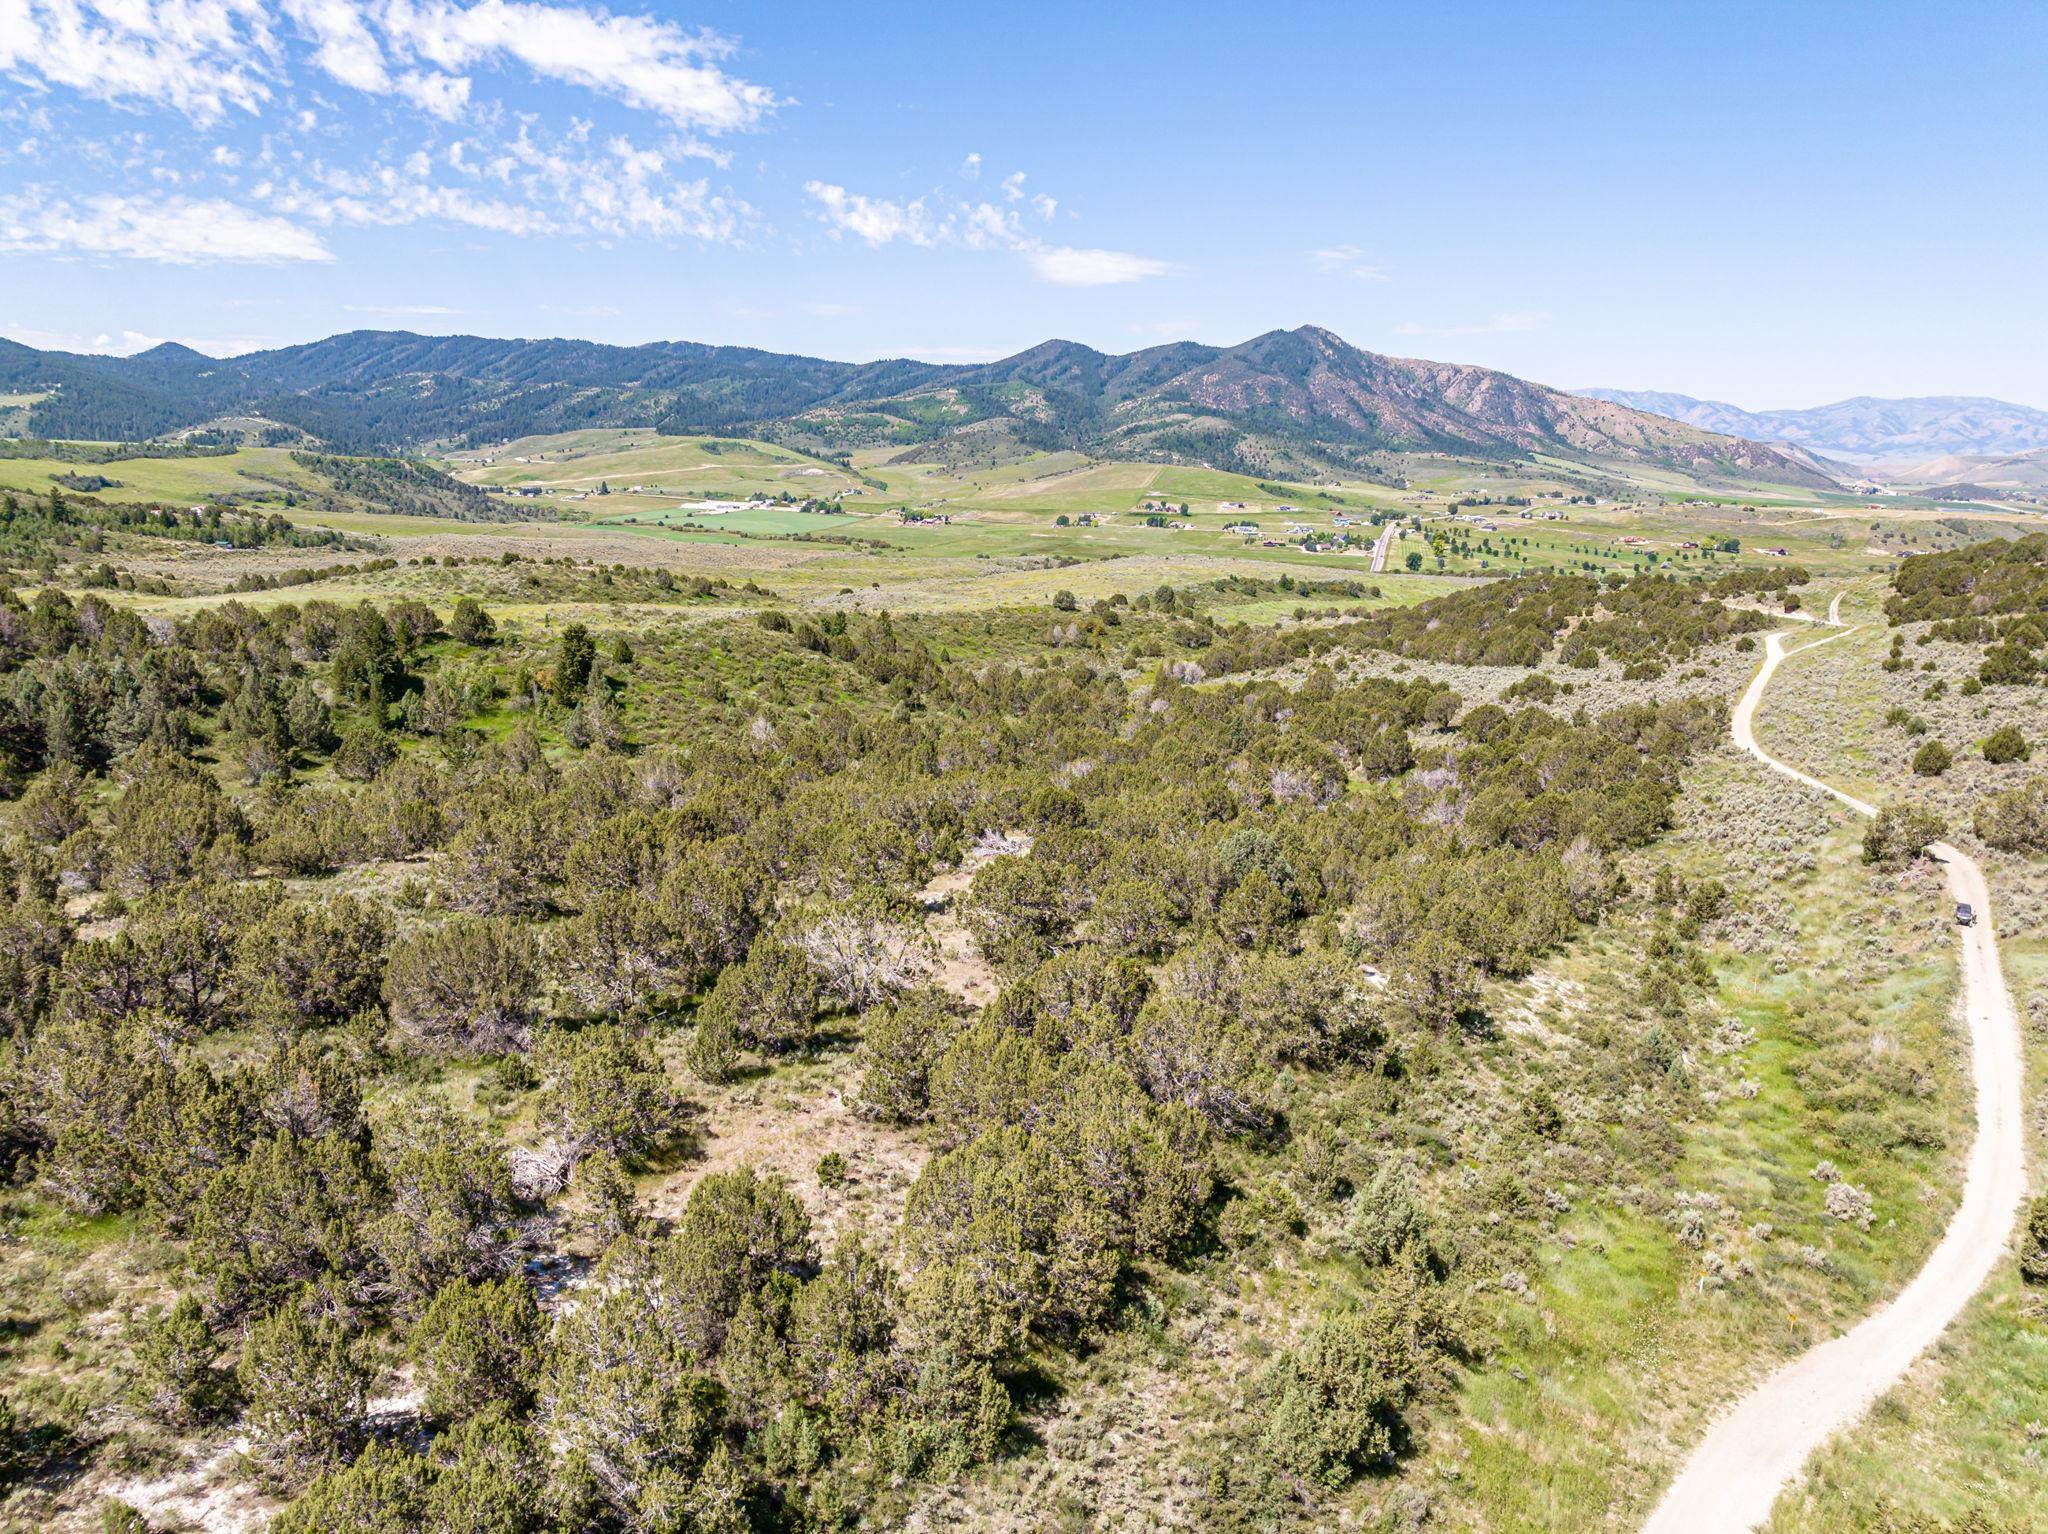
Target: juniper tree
x,y
469,985
478,1343
306,1388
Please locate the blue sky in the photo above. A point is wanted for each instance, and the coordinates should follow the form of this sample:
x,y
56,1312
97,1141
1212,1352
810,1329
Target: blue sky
x,y
1776,205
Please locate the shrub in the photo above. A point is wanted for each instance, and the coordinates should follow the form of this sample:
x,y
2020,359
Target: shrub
x,y
2034,1242
1932,759
308,1392
2006,744
2017,819
770,999
176,1380
1898,834
469,985
476,1344
901,1042
1339,1397
1849,1204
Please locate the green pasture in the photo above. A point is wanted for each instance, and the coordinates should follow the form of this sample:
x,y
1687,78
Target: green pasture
x,y
188,481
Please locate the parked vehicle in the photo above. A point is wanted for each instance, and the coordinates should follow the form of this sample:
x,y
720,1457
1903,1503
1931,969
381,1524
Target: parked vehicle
x,y
1965,917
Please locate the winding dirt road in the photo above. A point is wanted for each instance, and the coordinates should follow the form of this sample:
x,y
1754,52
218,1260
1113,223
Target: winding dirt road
x,y
1759,1445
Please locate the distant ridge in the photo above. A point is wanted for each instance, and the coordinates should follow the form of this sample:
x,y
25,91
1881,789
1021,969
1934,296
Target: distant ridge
x,y
1864,429
1292,402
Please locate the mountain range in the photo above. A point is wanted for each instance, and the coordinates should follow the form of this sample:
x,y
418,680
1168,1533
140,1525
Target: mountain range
x,y
1864,429
1291,402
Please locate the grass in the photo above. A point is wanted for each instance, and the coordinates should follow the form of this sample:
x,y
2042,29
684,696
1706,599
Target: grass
x,y
1964,1432
581,461
250,471
1629,1337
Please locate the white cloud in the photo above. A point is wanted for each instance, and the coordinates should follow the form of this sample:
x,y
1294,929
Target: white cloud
x,y
1013,186
641,60
343,44
1070,267
1500,324
984,226
970,168
205,58
201,58
127,343
520,186
975,226
1044,206
1345,261
877,220
181,231
442,96
278,63
105,344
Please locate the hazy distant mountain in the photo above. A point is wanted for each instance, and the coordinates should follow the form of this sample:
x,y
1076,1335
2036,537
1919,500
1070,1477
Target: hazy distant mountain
x,y
1290,402
1862,429
1977,476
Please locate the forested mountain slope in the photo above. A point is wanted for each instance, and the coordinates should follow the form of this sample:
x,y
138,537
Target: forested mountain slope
x,y
1288,401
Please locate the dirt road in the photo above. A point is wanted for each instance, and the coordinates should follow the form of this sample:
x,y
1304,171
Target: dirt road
x,y
1384,545
1759,1446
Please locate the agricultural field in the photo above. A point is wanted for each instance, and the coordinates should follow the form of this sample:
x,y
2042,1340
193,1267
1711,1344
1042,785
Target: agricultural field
x,y
1457,520
581,461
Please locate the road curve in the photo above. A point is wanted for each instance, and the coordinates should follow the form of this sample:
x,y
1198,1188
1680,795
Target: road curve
x,y
1383,545
1759,1445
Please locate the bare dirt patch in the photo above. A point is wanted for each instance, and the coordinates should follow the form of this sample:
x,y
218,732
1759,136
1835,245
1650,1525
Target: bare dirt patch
x,y
958,965
207,1493
788,1130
